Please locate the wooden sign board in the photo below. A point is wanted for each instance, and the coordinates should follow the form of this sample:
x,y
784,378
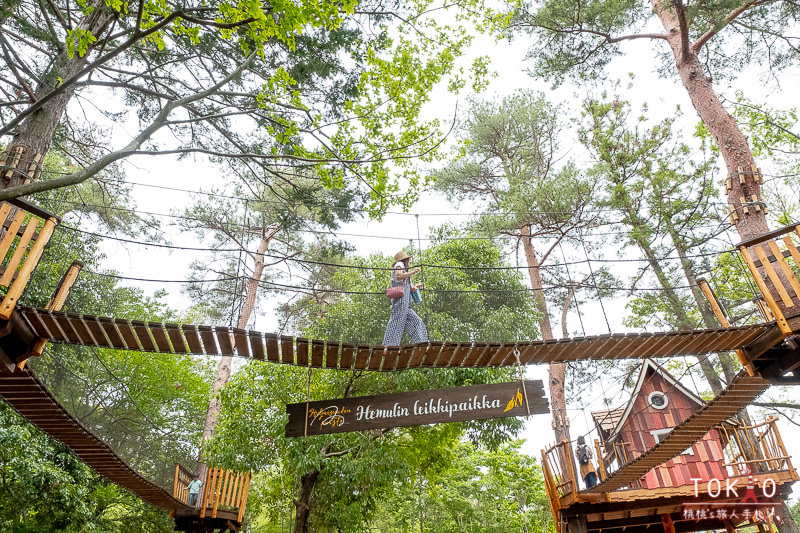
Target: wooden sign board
x,y
416,408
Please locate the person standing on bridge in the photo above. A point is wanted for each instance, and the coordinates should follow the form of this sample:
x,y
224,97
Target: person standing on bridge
x,y
403,318
194,490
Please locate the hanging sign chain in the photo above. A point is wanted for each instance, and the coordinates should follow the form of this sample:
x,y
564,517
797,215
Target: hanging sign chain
x,y
522,379
308,397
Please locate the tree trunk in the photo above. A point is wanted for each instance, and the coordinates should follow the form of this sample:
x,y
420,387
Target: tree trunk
x,y
224,368
35,133
303,502
730,140
558,400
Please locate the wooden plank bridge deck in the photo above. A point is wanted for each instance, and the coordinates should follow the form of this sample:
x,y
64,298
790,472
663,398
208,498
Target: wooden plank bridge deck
x,y
158,337
23,391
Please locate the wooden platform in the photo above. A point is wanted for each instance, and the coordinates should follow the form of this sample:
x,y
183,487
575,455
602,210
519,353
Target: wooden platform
x,y
639,511
190,521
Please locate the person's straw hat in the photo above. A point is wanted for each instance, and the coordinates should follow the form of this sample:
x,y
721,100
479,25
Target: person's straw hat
x,y
401,256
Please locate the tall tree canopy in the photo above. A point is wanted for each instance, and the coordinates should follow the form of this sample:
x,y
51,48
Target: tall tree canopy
x,y
333,86
697,41
507,164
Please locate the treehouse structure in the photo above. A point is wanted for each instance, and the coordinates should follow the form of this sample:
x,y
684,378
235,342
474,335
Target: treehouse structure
x,y
654,453
674,494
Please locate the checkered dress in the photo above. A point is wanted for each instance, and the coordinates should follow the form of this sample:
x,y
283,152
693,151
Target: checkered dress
x,y
403,318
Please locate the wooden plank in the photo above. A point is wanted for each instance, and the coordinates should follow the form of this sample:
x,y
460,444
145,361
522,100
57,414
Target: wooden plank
x,y
111,333
403,357
128,335
773,276
332,350
8,238
787,270
317,352
97,331
67,328
257,345
765,292
5,209
241,342
273,352
193,339
302,351
224,340
456,404
160,336
53,327
143,335
432,353
391,358
209,340
417,354
175,336
346,359
475,353
376,357
19,251
362,356
287,349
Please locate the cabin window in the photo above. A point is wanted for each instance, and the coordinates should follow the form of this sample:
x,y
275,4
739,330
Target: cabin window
x,y
661,434
658,400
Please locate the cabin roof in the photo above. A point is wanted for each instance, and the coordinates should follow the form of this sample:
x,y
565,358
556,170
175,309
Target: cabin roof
x,y
611,422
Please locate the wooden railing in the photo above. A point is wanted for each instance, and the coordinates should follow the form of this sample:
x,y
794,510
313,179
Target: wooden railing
x,y
180,485
25,232
755,449
225,489
774,262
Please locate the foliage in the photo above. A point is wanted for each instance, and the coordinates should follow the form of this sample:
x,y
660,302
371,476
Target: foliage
x,y
506,163
333,88
47,488
665,197
775,142
479,491
577,39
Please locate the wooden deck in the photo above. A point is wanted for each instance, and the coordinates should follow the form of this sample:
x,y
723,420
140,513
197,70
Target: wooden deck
x,y
636,510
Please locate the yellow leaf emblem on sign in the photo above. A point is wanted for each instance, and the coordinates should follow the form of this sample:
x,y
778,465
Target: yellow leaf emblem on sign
x,y
515,401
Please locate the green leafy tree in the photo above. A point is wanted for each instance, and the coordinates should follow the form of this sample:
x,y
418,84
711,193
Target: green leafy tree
x,y
339,480
507,164
335,86
665,199
699,41
478,491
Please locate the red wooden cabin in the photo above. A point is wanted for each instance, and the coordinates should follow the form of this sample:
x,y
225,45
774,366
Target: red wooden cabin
x,y
658,403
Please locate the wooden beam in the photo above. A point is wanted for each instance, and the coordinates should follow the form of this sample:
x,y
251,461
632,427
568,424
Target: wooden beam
x,y
708,292
59,299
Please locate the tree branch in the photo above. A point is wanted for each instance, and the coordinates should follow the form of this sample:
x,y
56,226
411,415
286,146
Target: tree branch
x,y
608,38
85,70
680,11
131,148
730,17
